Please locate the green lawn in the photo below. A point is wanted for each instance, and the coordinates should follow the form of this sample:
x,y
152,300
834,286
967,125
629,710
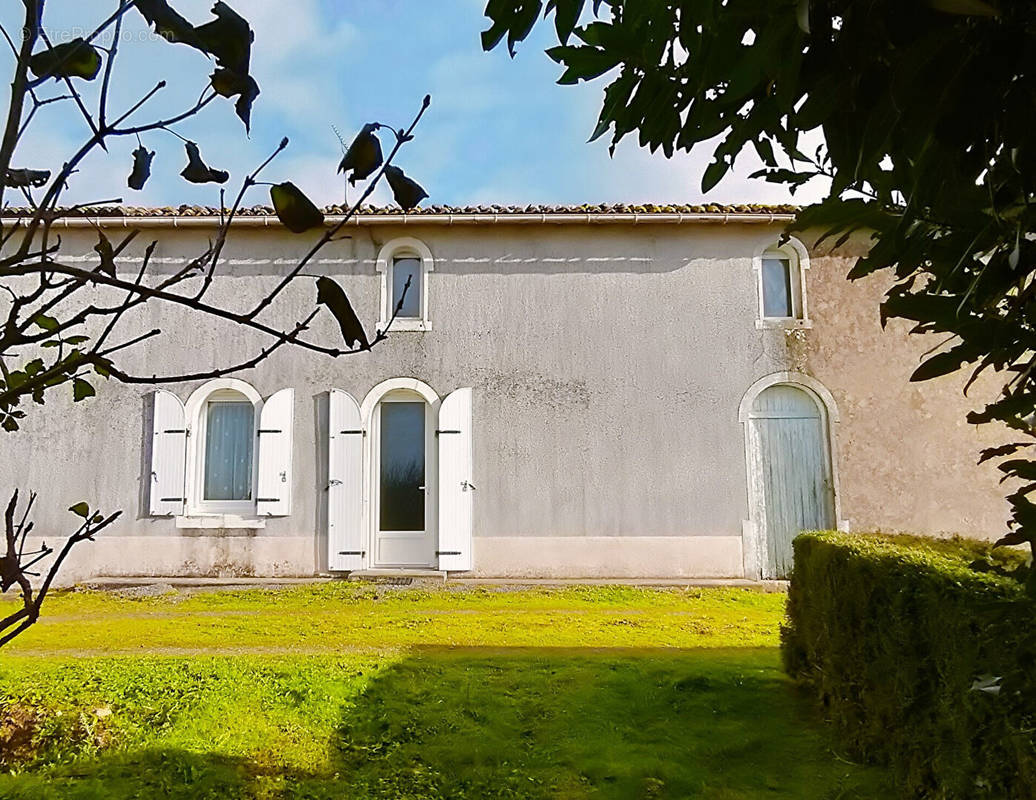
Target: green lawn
x,y
353,691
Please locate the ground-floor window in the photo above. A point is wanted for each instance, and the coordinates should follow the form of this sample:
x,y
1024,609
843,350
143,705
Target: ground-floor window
x,y
225,452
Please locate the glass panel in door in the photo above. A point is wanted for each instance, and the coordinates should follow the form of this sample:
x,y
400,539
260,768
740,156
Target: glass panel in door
x,y
402,477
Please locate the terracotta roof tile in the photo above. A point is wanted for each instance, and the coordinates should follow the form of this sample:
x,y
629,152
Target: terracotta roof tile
x,y
486,210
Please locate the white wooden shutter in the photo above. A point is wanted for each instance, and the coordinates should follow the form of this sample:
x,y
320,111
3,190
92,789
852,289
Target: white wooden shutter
x,y
455,482
346,541
168,456
275,446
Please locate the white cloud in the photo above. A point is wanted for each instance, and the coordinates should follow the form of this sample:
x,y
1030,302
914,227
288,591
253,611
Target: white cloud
x,y
636,175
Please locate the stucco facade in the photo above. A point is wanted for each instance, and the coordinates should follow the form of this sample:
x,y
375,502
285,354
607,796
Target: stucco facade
x,y
608,360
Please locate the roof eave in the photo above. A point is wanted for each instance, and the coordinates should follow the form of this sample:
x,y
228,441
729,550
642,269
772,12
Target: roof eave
x,y
176,221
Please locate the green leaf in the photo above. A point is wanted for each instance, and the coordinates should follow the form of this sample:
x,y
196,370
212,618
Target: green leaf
x,y
197,171
364,155
45,322
106,252
332,295
714,174
142,159
802,15
168,23
566,15
765,150
81,390
228,83
80,510
583,63
408,193
75,59
295,211
229,38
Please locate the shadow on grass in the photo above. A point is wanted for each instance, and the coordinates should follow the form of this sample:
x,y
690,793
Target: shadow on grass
x,y
524,723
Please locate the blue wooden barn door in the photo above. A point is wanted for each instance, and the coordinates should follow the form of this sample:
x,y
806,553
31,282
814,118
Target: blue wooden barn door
x,y
794,462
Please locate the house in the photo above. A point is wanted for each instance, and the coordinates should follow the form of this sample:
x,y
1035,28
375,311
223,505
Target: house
x,y
569,392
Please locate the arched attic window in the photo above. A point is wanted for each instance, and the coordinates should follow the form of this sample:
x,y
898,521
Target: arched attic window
x,y
399,260
781,281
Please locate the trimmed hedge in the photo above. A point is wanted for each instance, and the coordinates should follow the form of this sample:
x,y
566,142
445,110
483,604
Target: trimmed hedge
x,y
902,639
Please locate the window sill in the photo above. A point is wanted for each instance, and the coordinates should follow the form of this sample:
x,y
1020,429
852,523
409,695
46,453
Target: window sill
x,y
783,324
406,325
213,521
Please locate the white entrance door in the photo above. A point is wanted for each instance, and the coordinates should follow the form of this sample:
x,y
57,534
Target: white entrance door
x,y
792,456
403,509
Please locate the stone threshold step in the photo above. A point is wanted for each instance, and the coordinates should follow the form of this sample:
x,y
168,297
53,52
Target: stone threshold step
x,y
368,574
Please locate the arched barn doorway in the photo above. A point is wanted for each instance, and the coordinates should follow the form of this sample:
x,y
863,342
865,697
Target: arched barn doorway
x,y
791,484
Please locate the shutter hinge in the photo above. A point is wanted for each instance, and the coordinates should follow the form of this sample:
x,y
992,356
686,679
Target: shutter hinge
x,y
353,553
261,431
176,430
448,553
268,500
439,433
171,500
360,432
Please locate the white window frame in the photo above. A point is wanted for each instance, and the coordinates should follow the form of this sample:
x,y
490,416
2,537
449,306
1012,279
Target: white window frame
x,y
798,265
404,247
202,513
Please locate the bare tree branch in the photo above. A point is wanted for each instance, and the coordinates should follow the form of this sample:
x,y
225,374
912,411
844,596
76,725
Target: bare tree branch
x,y
16,564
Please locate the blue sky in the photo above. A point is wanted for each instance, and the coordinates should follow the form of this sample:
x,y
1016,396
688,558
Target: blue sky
x,y
498,131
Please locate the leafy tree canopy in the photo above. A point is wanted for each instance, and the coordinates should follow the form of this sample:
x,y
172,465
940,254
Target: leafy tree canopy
x,y
926,110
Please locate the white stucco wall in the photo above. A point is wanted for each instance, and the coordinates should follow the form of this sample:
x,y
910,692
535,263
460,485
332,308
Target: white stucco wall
x,y
607,362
